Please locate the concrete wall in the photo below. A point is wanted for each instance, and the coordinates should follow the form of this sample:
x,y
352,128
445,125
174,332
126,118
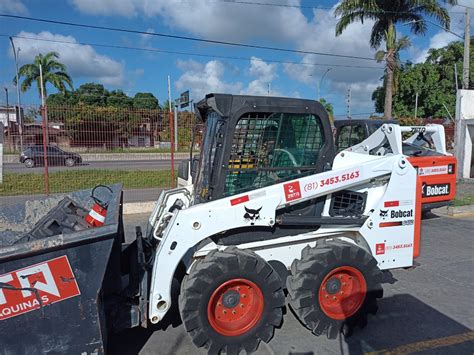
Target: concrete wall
x,y
464,132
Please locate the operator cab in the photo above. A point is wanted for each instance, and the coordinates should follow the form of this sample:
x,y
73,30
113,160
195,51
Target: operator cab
x,y
351,132
250,142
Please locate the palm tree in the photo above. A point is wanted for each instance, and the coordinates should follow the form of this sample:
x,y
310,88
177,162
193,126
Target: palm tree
x,y
402,43
54,73
386,14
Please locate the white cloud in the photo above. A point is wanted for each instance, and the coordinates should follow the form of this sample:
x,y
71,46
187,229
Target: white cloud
x,y
13,7
354,41
82,61
361,97
202,79
125,8
214,20
264,74
282,26
146,38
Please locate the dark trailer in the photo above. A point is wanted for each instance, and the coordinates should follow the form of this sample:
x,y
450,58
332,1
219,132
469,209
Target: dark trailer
x,y
49,256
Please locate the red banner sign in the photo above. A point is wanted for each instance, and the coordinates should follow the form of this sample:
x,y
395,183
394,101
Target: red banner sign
x,y
53,280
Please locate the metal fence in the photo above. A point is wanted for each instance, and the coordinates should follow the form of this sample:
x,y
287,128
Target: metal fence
x,y
87,145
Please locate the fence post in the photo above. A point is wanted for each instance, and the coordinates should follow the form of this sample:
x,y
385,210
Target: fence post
x,y
172,147
45,150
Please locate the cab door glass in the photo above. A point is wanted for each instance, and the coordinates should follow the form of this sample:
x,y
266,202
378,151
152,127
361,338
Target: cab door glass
x,y
270,148
349,136
343,138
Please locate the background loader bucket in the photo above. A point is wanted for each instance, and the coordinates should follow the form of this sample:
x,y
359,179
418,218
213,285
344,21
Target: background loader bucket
x,y
55,274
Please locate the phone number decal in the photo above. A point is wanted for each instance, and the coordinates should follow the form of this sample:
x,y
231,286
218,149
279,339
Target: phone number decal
x,y
340,178
311,186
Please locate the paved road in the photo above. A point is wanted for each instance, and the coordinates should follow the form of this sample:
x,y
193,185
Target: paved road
x,y
130,195
427,310
111,165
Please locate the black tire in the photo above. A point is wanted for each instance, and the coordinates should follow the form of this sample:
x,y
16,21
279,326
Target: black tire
x,y
29,163
70,162
211,275
342,266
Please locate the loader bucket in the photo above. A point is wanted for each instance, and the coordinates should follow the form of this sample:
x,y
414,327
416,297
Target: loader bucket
x,y
55,274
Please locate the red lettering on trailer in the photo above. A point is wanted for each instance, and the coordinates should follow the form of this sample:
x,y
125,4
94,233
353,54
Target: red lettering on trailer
x,y
391,203
53,280
292,191
239,200
380,249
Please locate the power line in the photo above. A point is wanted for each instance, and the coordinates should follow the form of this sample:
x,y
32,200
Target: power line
x,y
191,53
187,38
238,2
355,114
270,4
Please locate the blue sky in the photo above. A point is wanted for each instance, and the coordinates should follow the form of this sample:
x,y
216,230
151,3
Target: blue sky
x,y
302,28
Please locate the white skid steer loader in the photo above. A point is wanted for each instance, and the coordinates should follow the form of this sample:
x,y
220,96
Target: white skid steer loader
x,y
270,206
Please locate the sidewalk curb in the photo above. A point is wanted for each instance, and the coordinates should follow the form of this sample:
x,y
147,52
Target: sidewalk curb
x,y
453,211
138,207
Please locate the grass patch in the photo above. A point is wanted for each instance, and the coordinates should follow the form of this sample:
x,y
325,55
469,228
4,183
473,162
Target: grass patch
x,y
70,180
464,200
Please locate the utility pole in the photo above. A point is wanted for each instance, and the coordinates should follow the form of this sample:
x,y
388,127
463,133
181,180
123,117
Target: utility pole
x,y
467,35
349,93
19,117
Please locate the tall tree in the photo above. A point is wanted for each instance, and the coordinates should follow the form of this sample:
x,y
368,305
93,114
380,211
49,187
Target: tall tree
x,y
145,100
54,73
92,94
329,108
381,55
387,14
118,99
433,81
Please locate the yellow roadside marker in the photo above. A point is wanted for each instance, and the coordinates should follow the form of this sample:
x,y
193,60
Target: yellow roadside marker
x,y
427,344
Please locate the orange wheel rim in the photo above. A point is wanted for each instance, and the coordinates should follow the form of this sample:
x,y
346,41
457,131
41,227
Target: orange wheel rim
x,y
342,292
235,307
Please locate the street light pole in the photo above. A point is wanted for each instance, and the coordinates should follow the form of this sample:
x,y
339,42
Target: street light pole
x,y
320,82
20,115
435,24
8,120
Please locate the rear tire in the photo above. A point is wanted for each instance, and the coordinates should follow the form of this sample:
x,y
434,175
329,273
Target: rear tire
x,y
333,287
230,301
29,163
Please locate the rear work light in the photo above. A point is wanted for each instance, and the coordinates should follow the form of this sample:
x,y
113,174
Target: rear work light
x,y
451,169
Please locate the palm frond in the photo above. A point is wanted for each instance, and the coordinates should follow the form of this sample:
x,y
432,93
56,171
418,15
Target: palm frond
x,y
378,33
380,56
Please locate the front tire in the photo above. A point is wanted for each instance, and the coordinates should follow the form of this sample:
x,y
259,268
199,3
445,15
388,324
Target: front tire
x,y
230,301
333,287
29,163
70,162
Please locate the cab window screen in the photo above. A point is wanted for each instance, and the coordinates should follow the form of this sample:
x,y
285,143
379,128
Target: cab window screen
x,y
271,148
349,136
